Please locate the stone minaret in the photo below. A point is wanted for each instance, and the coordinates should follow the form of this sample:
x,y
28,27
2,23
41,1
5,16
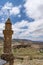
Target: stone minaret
x,y
7,50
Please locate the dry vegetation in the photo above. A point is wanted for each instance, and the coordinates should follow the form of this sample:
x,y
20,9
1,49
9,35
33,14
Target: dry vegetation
x,y
28,62
31,56
28,51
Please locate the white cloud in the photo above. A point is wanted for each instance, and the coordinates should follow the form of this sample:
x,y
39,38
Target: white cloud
x,y
8,5
1,29
19,15
15,11
9,9
21,24
34,8
33,32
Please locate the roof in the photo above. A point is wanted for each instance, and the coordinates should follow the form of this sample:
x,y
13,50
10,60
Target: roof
x,y
8,21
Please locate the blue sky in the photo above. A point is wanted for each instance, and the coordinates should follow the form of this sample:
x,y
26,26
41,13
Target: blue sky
x,y
26,17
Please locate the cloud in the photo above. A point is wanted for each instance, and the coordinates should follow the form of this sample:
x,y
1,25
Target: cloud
x,y
9,9
33,32
8,5
1,29
14,11
17,28
34,8
21,24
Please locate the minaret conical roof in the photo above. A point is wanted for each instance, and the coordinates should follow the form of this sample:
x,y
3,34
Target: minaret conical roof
x,y
8,21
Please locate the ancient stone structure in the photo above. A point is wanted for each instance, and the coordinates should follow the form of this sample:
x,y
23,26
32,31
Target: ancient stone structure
x,y
7,50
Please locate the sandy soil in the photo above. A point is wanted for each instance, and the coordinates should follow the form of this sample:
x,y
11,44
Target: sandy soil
x,y
28,62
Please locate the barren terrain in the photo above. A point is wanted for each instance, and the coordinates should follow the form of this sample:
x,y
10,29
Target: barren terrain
x,y
25,56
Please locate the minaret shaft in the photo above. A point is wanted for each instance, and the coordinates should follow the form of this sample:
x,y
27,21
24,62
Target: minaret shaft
x,y
7,48
7,41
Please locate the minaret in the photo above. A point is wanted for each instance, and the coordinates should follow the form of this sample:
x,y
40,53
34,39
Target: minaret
x,y
7,50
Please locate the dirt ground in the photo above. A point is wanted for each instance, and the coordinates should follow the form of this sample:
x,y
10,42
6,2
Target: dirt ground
x,y
27,62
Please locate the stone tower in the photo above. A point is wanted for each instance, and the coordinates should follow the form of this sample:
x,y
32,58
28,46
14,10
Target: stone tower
x,y
7,50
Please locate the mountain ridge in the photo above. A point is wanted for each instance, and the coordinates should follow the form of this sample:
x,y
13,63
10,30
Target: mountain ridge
x,y
23,40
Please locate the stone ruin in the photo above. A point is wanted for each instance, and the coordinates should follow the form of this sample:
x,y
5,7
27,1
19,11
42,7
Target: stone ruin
x,y
7,47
